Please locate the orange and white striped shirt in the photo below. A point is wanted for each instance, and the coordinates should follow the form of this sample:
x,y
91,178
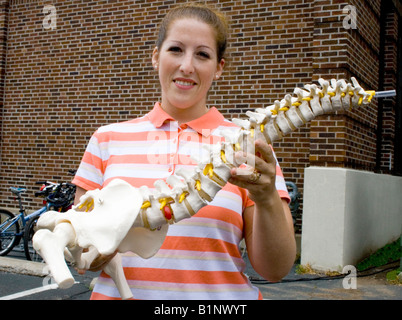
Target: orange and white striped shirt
x,y
200,258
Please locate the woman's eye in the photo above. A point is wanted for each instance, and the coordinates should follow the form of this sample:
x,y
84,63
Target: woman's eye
x,y
203,55
174,49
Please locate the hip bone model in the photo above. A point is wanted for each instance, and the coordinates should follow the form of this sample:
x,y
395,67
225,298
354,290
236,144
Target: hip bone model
x,y
141,216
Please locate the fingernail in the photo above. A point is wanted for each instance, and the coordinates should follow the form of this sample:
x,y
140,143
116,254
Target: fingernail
x,y
240,155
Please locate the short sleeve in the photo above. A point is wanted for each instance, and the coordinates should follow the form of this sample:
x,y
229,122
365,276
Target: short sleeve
x,y
89,175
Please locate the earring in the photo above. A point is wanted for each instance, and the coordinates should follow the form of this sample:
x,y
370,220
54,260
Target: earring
x,y
156,66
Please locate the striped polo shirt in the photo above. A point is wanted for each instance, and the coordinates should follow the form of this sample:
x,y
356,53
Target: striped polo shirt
x,y
200,257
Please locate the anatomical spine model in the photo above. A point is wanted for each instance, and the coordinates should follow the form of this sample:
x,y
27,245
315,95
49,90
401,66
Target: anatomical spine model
x,y
123,218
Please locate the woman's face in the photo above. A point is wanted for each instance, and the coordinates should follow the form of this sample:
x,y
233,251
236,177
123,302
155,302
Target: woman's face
x,y
187,63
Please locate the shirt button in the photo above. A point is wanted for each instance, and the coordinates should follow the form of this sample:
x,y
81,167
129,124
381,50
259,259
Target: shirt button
x,y
170,169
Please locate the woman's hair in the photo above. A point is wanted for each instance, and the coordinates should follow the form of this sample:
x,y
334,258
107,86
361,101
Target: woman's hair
x,y
203,13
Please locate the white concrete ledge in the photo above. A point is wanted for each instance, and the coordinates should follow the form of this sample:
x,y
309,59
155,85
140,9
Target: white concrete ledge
x,y
23,267
347,215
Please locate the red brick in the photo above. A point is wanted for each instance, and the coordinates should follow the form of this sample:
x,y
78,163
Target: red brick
x,y
95,68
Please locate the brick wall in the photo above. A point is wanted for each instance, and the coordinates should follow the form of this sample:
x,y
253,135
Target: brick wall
x,y
94,68
347,139
390,82
3,52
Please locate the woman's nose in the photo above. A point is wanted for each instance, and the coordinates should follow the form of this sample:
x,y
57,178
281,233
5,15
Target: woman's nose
x,y
187,66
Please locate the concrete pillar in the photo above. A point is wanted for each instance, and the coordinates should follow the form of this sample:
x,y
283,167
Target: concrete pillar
x,y
347,215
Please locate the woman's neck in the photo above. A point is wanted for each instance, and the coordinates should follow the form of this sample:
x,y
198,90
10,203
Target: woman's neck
x,y
185,114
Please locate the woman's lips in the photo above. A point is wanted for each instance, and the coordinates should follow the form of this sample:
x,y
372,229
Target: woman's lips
x,y
184,84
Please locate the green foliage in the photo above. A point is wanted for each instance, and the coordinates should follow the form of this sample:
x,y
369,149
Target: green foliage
x,y
393,276
390,253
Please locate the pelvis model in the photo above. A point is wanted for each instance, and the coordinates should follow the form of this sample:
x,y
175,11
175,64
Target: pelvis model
x,y
141,216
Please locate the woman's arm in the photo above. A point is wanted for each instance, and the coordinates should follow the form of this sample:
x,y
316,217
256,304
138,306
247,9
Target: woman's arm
x,y
268,226
270,239
79,192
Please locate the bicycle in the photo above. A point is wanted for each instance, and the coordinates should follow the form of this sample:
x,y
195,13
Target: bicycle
x,y
58,197
60,200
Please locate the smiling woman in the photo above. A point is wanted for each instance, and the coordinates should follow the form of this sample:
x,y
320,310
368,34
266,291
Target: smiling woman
x,y
187,65
214,19
200,257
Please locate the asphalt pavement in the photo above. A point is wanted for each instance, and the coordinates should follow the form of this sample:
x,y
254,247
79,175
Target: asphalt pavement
x,y
23,280
370,285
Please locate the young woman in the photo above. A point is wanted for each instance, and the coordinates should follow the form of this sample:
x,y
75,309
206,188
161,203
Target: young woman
x,y
200,258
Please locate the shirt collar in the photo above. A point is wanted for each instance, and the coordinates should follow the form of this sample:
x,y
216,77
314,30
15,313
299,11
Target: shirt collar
x,y
204,125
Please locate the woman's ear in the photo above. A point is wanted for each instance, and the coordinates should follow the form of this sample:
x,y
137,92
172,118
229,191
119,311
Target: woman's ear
x,y
155,58
219,69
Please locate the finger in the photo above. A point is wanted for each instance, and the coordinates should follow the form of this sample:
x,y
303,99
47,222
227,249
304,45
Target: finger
x,y
264,151
242,181
250,162
245,177
240,177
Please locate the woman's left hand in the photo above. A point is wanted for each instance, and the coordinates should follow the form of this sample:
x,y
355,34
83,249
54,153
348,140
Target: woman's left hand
x,y
259,175
268,226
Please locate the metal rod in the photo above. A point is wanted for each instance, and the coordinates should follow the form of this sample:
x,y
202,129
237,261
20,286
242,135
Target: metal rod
x,y
385,94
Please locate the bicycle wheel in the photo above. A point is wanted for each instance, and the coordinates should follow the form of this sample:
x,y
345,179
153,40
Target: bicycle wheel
x,y
30,252
8,232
